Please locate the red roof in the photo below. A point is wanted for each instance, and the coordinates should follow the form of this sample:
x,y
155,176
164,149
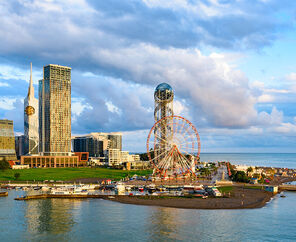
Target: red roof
x,y
11,163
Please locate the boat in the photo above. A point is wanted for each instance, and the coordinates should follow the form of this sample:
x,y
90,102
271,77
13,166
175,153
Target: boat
x,y
282,194
141,189
3,194
73,190
128,188
120,189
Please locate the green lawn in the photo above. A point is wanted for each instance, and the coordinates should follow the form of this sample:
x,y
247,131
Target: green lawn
x,y
66,174
254,187
225,189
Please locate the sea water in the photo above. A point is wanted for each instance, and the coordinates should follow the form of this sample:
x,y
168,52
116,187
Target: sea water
x,y
285,160
101,220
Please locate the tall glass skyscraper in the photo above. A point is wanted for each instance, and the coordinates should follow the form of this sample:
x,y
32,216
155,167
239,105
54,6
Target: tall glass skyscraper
x,y
31,124
55,111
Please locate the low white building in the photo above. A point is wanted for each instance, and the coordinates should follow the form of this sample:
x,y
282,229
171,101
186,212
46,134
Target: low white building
x,y
114,157
18,167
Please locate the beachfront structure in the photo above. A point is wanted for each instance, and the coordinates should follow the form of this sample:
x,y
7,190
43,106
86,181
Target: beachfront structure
x,y
55,111
31,122
163,101
173,143
163,107
52,161
7,140
114,157
136,158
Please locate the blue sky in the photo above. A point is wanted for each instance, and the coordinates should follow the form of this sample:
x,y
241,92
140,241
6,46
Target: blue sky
x,y
231,65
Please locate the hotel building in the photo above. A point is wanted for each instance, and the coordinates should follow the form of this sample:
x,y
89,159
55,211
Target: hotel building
x,y
55,111
54,121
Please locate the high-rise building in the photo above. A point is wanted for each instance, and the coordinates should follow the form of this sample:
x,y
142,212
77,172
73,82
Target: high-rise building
x,y
31,124
20,143
55,111
97,143
115,140
7,142
94,143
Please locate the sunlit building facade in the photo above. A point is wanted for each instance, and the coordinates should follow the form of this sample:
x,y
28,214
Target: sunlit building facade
x,y
7,140
55,111
31,122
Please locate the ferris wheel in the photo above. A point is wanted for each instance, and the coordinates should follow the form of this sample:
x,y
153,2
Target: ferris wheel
x,y
173,147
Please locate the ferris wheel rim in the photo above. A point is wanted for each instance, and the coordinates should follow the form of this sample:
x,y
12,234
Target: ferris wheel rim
x,y
195,132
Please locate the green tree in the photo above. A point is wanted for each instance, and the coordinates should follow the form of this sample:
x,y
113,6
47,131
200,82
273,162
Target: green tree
x,y
4,165
17,175
250,169
240,176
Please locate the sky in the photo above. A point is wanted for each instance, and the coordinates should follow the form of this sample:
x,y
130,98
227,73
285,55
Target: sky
x,y
231,64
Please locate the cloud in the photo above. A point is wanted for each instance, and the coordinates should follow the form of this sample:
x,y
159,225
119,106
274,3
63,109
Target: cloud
x,y
4,84
15,113
275,118
57,31
265,98
291,76
120,51
7,103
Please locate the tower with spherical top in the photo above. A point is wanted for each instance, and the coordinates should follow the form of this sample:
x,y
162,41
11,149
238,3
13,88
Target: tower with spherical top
x,y
163,107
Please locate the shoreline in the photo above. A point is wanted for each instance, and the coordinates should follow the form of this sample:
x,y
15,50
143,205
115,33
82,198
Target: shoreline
x,y
243,198
239,198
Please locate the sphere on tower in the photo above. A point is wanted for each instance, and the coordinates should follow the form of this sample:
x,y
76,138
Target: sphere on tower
x,y
163,93
163,97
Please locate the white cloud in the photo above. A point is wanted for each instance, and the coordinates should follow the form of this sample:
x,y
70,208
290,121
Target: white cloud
x,y
265,98
286,128
291,76
7,103
4,84
275,118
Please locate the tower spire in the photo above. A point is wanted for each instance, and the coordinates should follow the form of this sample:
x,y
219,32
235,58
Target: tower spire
x,y
31,88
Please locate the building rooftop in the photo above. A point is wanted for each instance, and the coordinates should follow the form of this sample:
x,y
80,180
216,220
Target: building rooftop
x,y
58,66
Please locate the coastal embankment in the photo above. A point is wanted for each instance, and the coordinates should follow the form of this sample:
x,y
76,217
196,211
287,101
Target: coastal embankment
x,y
239,198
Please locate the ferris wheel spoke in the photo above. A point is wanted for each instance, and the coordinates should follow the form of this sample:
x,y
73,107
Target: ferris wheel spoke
x,y
189,154
164,160
160,154
161,139
188,165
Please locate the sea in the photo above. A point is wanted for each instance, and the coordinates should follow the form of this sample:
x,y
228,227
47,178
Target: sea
x,y
101,220
283,160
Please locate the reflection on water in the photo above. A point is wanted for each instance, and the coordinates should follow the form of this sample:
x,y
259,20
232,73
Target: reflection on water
x,y
50,215
100,220
162,223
